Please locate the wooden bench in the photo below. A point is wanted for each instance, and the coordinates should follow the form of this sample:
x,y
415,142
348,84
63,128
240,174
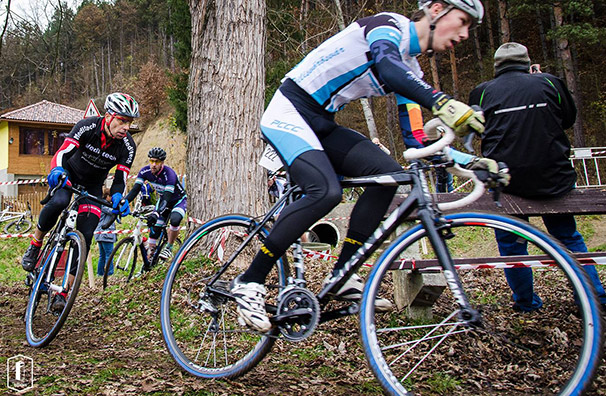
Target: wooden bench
x,y
417,290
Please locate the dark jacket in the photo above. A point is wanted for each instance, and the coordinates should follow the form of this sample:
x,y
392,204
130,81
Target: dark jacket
x,y
526,115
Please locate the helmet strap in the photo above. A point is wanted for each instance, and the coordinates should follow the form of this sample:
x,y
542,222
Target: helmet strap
x,y
432,26
107,124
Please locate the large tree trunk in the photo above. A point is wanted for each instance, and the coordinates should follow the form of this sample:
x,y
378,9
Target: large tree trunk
x,y
225,103
571,79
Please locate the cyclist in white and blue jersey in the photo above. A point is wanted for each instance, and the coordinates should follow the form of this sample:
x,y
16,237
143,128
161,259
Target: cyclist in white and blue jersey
x,y
372,57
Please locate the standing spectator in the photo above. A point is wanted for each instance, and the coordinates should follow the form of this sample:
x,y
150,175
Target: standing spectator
x,y
105,241
526,115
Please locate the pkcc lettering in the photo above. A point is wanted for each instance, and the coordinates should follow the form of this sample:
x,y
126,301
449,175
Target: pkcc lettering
x,y
286,126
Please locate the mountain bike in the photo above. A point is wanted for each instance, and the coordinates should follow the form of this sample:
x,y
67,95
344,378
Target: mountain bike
x,y
124,255
18,222
470,339
65,248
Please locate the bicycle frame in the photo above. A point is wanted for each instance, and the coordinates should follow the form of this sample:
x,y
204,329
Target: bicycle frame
x,y
7,215
418,199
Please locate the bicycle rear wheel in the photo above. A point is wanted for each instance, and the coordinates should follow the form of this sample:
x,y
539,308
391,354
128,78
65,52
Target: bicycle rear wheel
x,y
553,350
199,321
18,226
42,320
121,263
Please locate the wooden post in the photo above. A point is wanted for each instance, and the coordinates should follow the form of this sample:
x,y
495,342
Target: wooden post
x,y
91,272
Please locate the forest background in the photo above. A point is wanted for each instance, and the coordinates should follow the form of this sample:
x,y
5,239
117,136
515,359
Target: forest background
x,y
144,47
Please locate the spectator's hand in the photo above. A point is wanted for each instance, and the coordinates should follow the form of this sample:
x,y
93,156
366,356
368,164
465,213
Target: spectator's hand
x,y
490,172
54,176
458,116
535,68
152,218
119,205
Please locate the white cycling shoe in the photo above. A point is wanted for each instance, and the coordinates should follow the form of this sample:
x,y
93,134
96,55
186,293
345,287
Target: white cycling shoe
x,y
250,297
352,291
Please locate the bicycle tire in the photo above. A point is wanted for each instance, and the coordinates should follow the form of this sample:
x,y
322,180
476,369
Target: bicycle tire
x,y
189,330
530,353
42,325
18,226
124,259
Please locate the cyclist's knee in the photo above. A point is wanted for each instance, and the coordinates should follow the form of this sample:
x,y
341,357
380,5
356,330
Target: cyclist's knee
x,y
175,219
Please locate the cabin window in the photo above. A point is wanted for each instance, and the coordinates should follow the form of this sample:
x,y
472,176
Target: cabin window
x,y
31,141
40,141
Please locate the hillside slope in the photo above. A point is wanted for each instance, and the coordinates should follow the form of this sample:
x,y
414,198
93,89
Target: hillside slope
x,y
161,134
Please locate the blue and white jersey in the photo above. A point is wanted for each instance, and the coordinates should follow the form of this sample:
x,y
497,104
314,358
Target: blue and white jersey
x,y
341,69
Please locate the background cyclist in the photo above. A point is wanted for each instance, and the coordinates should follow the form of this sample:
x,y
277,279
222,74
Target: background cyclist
x,y
93,147
172,202
371,57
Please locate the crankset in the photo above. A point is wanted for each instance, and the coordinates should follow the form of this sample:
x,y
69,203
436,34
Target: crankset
x,y
298,313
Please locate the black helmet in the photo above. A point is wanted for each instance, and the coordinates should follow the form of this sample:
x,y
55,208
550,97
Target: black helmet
x,y
158,153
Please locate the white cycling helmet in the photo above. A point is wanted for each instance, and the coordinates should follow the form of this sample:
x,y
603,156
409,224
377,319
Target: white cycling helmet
x,y
122,104
474,8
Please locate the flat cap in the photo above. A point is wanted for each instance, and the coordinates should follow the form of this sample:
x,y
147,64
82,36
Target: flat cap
x,y
510,53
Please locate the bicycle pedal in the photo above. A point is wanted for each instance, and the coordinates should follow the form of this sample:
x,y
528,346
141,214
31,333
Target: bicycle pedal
x,y
29,280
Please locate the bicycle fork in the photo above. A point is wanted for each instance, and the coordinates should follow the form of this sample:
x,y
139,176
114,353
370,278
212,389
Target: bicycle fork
x,y
466,312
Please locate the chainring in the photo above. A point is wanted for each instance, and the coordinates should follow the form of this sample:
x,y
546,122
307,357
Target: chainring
x,y
300,300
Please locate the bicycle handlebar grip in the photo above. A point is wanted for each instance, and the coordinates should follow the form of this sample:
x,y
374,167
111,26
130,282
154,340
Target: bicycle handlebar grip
x,y
53,190
434,127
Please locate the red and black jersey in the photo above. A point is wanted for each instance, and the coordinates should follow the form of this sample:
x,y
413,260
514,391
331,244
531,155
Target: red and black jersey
x,y
88,155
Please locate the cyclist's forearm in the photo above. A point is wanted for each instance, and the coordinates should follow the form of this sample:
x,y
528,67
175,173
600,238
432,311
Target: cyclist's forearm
x,y
132,194
119,184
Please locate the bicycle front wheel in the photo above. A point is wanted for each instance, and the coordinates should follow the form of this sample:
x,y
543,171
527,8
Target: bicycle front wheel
x,y
18,226
199,319
426,348
45,315
121,264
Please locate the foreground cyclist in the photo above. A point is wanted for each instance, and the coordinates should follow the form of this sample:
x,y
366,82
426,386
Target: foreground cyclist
x,y
93,147
371,57
171,205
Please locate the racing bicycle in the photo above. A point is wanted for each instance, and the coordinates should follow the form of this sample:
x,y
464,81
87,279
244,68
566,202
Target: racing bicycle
x,y
64,250
18,222
470,338
124,255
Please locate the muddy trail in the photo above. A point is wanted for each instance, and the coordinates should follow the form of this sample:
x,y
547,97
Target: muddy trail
x,y
112,344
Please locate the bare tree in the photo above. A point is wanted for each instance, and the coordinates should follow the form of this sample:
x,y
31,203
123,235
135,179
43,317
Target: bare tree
x,y
370,119
503,21
569,74
225,103
8,14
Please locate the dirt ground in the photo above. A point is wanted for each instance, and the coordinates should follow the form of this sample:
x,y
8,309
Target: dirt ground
x,y
112,345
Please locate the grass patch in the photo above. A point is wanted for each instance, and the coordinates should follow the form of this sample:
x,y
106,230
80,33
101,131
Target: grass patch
x,y
443,384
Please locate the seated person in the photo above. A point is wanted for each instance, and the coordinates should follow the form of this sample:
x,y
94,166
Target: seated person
x,y
171,205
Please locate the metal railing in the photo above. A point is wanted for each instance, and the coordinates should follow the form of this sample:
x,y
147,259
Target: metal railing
x,y
590,165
